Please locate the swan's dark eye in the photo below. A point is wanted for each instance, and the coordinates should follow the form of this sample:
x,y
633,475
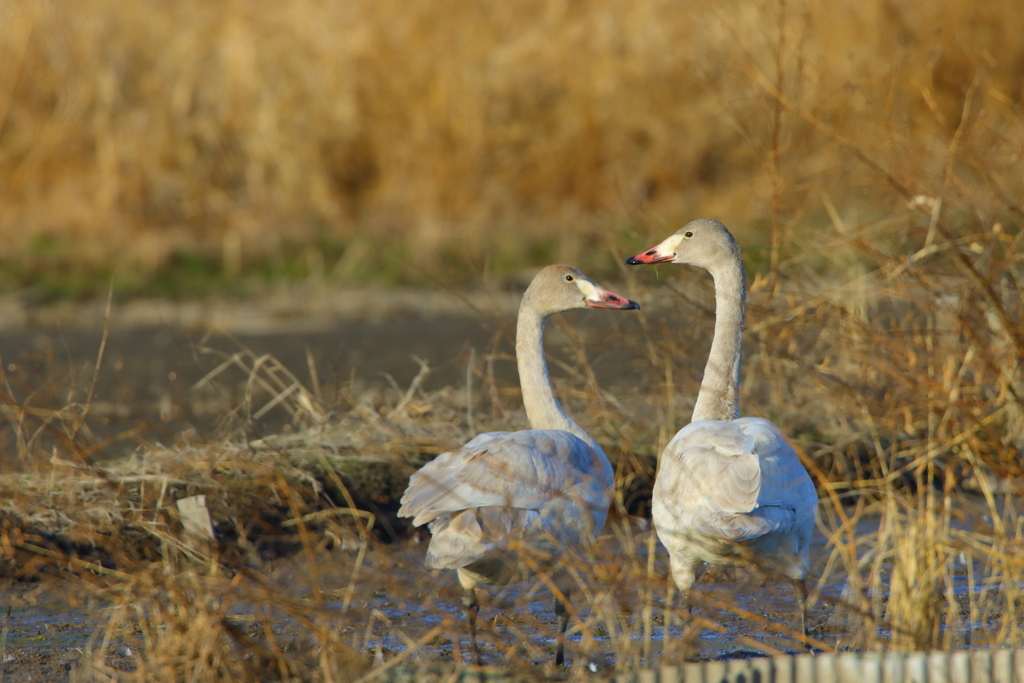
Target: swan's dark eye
x,y
568,278
688,233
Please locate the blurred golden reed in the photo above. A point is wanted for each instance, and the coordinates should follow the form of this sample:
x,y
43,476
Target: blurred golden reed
x,y
490,134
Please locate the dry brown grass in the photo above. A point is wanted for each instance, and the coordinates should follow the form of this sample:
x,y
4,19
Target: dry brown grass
x,y
134,137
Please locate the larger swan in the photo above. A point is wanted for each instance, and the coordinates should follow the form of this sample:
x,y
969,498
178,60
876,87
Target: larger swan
x,y
728,490
546,487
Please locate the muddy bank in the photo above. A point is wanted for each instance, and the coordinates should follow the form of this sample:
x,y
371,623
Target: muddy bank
x,y
150,386
149,374
112,514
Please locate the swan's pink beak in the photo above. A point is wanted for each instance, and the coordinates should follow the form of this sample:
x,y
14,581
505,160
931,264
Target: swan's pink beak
x,y
652,255
603,298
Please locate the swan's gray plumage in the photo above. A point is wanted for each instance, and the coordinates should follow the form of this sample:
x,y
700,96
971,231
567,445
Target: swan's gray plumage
x,y
728,490
548,487
544,485
739,481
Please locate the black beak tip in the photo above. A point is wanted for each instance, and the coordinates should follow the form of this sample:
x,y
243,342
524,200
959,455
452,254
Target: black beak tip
x,y
633,306
631,261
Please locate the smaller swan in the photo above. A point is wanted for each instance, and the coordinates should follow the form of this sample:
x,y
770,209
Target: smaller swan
x,y
547,487
728,490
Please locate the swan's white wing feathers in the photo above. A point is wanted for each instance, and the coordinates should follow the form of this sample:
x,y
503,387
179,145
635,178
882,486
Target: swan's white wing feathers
x,y
527,470
465,537
735,480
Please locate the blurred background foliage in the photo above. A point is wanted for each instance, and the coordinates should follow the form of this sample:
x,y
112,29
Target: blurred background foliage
x,y
186,147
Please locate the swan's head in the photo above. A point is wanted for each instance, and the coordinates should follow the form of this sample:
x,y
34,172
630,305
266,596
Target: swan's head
x,y
561,288
703,242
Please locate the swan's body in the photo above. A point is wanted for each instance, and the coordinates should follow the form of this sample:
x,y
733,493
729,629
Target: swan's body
x,y
547,487
728,490
731,491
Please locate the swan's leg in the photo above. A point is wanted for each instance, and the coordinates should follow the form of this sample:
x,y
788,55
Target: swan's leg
x,y
669,597
692,630
800,590
684,573
562,614
688,601
470,607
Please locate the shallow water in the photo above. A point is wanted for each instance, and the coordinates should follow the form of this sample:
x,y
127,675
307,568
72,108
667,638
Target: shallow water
x,y
53,622
525,611
395,602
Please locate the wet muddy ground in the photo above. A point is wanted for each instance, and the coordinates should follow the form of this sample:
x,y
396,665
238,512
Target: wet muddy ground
x,y
41,633
395,602
524,612
387,606
146,384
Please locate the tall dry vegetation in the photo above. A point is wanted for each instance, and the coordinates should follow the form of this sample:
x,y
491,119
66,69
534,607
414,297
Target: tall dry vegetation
x,y
481,133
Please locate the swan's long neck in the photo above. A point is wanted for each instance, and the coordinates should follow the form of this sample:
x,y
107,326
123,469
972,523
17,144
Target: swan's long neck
x,y
719,397
542,408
